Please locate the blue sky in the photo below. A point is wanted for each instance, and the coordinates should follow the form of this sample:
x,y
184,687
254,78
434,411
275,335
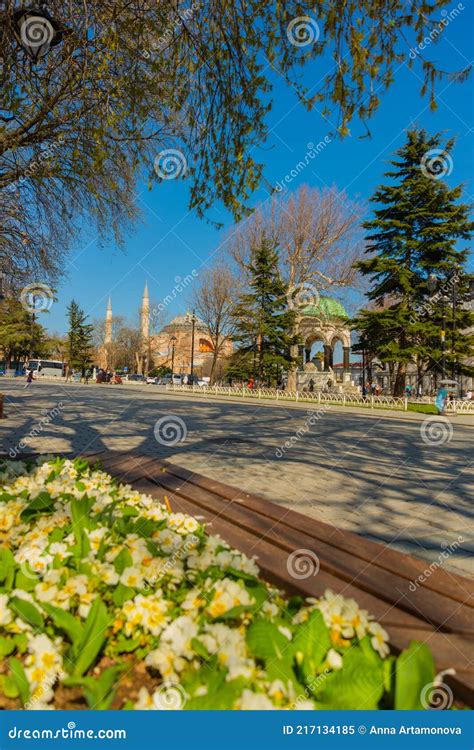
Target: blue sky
x,y
172,242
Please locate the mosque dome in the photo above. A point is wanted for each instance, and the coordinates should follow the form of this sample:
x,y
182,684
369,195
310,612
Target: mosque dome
x,y
183,322
325,307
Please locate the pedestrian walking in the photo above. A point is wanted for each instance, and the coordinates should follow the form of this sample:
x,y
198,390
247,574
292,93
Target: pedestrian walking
x,y
29,378
441,398
87,375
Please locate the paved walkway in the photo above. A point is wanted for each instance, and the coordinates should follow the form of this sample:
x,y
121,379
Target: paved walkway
x,y
401,481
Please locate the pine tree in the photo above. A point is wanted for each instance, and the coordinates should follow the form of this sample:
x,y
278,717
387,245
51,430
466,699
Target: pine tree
x,y
416,264
21,335
262,318
80,337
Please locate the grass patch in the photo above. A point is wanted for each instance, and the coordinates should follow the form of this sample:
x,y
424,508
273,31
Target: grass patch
x,y
423,408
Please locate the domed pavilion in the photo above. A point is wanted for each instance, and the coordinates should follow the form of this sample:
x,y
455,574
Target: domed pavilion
x,y
326,320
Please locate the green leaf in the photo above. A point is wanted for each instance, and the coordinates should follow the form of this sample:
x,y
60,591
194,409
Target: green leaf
x,y
122,594
265,641
84,652
241,575
129,511
7,646
358,685
200,649
80,512
19,676
8,686
123,645
413,671
221,698
98,691
43,503
21,642
311,642
369,652
7,569
26,582
65,621
122,561
27,611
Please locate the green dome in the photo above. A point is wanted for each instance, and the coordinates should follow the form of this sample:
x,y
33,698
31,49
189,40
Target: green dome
x,y
325,307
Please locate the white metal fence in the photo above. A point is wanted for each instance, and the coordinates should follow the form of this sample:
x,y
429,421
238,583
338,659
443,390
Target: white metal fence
x,y
342,399
337,399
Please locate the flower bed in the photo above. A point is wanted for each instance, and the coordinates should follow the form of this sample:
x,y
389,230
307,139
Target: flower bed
x,y
110,600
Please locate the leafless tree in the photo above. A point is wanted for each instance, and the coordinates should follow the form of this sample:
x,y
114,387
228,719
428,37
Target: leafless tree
x,y
214,299
319,237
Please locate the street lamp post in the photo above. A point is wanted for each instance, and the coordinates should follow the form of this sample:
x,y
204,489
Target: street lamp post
x,y
443,336
453,330
193,322
37,31
33,320
173,344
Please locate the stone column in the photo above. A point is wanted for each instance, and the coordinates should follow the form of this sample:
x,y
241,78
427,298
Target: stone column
x,y
327,357
292,370
346,360
307,354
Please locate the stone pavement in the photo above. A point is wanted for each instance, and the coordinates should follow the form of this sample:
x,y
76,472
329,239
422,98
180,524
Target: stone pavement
x,y
402,481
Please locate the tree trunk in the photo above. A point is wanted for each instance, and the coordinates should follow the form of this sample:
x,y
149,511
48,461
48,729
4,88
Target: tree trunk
x,y
399,387
292,370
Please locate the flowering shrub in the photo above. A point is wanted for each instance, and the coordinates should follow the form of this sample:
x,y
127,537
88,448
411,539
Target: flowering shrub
x,y
109,600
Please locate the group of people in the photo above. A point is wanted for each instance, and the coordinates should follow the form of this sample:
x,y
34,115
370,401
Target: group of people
x,y
72,374
372,389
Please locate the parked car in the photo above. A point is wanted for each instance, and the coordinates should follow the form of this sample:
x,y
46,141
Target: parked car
x,y
202,383
151,381
136,378
176,379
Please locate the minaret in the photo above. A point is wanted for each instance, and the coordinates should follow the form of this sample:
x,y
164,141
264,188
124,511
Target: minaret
x,y
108,323
145,315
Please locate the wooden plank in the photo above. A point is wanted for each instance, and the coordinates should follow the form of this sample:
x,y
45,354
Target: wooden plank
x,y
450,649
459,588
431,606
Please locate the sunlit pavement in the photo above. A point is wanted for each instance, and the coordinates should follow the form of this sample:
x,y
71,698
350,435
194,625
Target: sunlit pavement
x,y
402,481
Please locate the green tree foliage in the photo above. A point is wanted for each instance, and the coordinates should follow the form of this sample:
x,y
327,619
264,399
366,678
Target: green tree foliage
x,y
21,335
132,78
262,317
417,257
80,337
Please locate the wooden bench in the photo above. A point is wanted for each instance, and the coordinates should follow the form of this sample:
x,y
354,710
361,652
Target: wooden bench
x,y
436,609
